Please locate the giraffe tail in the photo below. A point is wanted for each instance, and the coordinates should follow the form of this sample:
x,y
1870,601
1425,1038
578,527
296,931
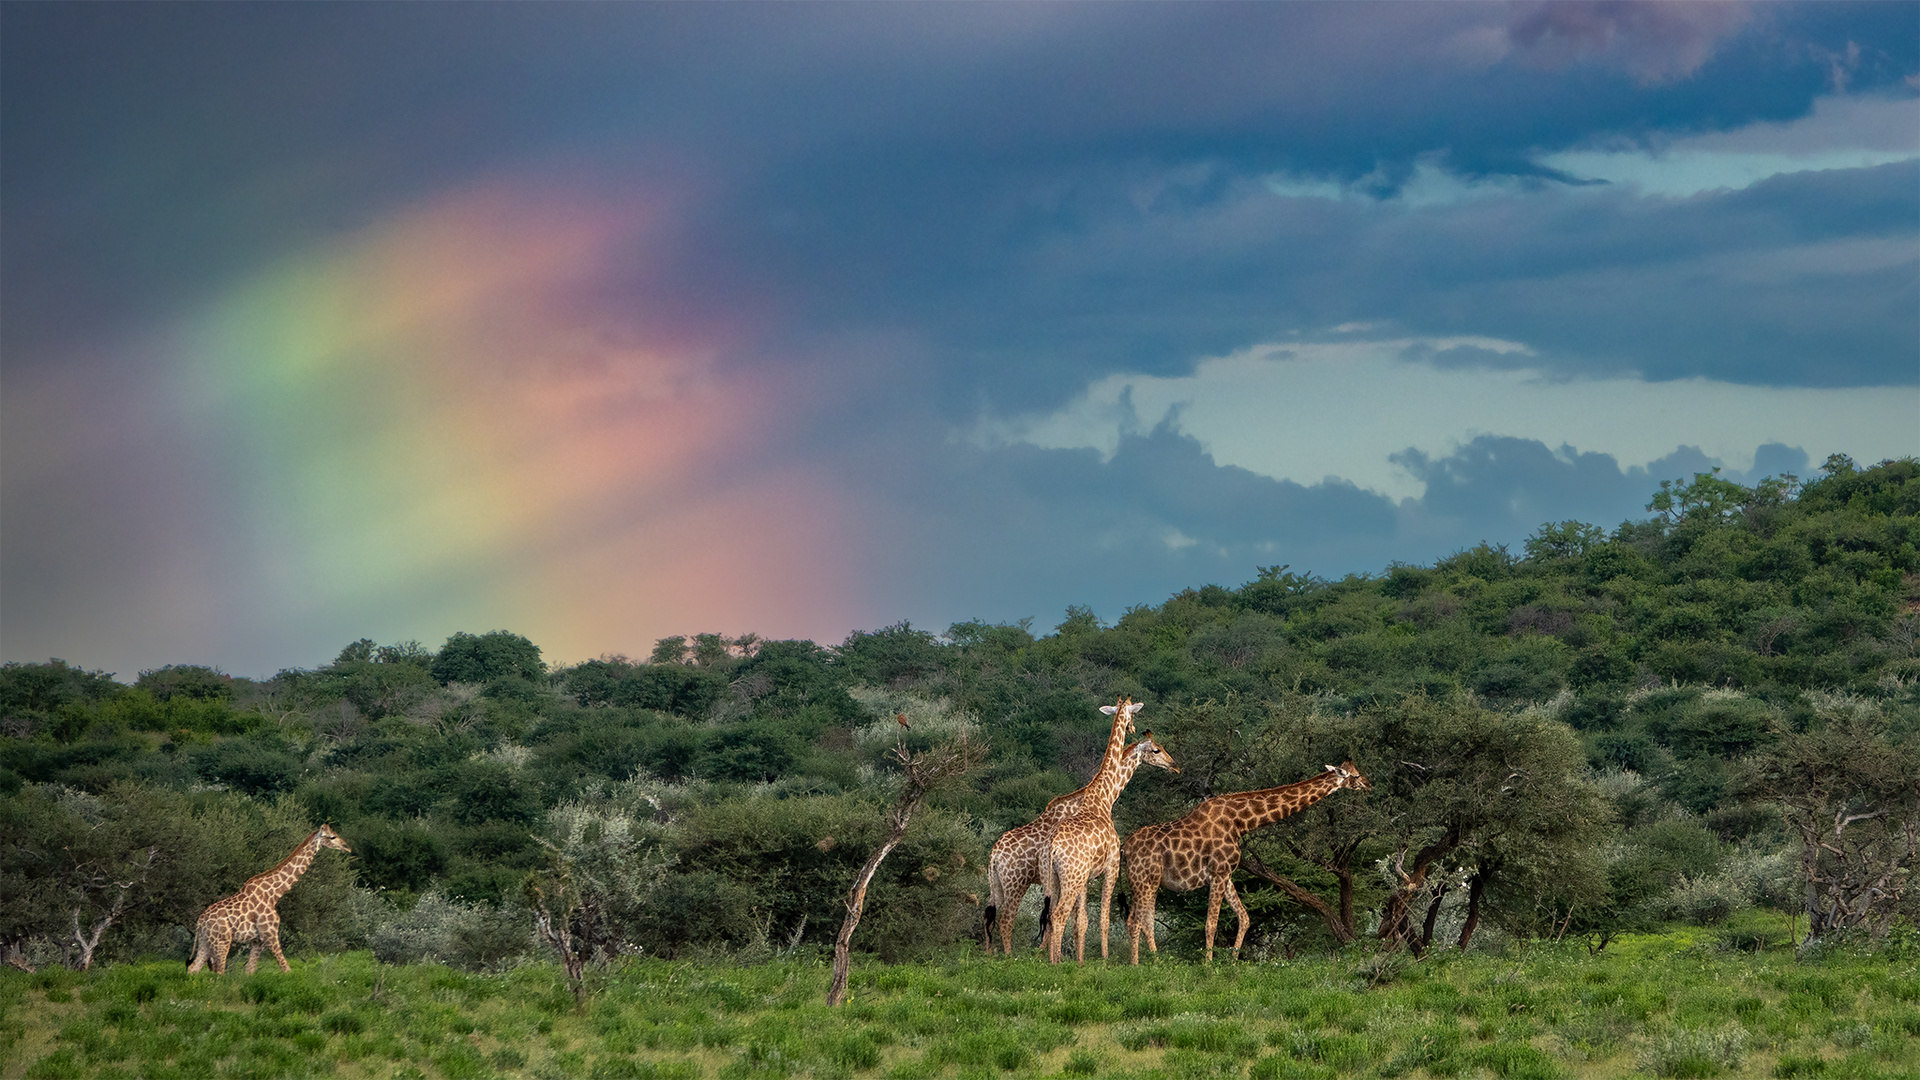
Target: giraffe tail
x,y
986,932
199,959
1046,916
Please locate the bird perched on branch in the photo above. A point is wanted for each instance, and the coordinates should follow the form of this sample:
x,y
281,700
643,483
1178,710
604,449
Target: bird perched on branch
x,y
901,719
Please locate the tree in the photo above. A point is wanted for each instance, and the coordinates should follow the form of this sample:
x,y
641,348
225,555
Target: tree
x,y
1707,499
920,774
603,863
1460,794
483,658
896,655
1563,540
1850,793
187,681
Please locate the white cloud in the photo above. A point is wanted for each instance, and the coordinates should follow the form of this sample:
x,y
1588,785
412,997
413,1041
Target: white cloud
x,y
1306,412
1841,133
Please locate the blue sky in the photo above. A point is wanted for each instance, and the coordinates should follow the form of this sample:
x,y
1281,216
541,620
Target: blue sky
x,y
800,319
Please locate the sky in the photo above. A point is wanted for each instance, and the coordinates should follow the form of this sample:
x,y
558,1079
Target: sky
x,y
600,323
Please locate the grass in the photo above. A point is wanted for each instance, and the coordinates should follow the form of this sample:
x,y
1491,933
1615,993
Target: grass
x,y
1671,1005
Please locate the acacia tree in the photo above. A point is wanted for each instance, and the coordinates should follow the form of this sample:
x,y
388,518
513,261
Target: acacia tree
x,y
603,864
1850,793
1462,797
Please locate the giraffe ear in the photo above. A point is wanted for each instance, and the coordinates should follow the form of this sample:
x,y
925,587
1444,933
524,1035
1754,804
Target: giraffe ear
x,y
1330,768
1109,709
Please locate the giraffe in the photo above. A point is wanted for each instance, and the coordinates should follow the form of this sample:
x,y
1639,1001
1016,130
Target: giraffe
x,y
1203,848
1084,846
249,915
1013,866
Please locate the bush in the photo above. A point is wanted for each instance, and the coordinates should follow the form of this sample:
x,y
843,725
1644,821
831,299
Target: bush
x,y
1703,901
467,658
443,931
255,766
1696,1053
390,856
187,681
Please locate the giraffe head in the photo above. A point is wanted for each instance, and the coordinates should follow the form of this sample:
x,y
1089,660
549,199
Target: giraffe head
x,y
1348,775
326,837
1148,752
1127,707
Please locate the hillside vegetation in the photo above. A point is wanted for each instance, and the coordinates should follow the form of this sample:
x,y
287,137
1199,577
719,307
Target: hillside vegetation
x,y
1714,708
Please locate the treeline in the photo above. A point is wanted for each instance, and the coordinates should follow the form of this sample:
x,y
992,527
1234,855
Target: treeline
x,y
1599,731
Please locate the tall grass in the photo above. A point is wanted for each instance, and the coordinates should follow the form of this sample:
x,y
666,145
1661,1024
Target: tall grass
x,y
1670,1005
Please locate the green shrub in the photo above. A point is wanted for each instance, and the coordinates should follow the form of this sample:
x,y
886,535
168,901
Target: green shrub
x,y
1696,1053
1517,1061
439,930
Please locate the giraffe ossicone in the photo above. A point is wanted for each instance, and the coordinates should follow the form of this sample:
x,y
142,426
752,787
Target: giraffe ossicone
x,y
249,916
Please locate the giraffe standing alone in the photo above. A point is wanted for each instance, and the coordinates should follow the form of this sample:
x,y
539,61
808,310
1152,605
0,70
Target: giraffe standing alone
x,y
1013,866
1084,846
249,915
1203,848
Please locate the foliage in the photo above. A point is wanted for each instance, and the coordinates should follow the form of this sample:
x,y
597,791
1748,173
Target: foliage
x,y
64,854
482,658
1579,738
1850,790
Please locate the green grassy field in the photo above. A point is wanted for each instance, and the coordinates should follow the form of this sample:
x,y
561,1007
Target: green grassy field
x,y
1677,1005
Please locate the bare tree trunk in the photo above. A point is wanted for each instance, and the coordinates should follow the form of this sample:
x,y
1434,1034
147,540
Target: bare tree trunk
x,y
1473,908
1433,916
1394,923
922,771
856,904
1341,932
89,940
558,934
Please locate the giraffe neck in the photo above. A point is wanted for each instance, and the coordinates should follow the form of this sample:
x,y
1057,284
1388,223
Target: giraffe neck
x,y
1116,741
1069,804
276,882
1105,789
1249,810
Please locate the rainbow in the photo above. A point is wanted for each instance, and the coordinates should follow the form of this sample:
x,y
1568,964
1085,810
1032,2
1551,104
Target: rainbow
x,y
451,420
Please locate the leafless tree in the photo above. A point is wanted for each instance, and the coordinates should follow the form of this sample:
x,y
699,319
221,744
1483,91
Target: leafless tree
x,y
921,772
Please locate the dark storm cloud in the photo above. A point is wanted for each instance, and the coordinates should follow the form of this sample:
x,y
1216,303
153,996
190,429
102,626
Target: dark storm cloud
x,y
869,165
938,210
1025,532
1716,285
1655,42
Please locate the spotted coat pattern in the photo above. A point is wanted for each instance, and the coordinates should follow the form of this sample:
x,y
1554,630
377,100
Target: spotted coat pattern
x,y
1013,866
1085,846
249,916
1203,848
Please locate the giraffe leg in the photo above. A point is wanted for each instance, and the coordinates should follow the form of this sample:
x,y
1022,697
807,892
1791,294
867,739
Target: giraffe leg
x,y
219,942
1140,915
199,960
1017,890
1080,923
271,936
1055,932
1214,896
253,957
1240,909
1106,902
